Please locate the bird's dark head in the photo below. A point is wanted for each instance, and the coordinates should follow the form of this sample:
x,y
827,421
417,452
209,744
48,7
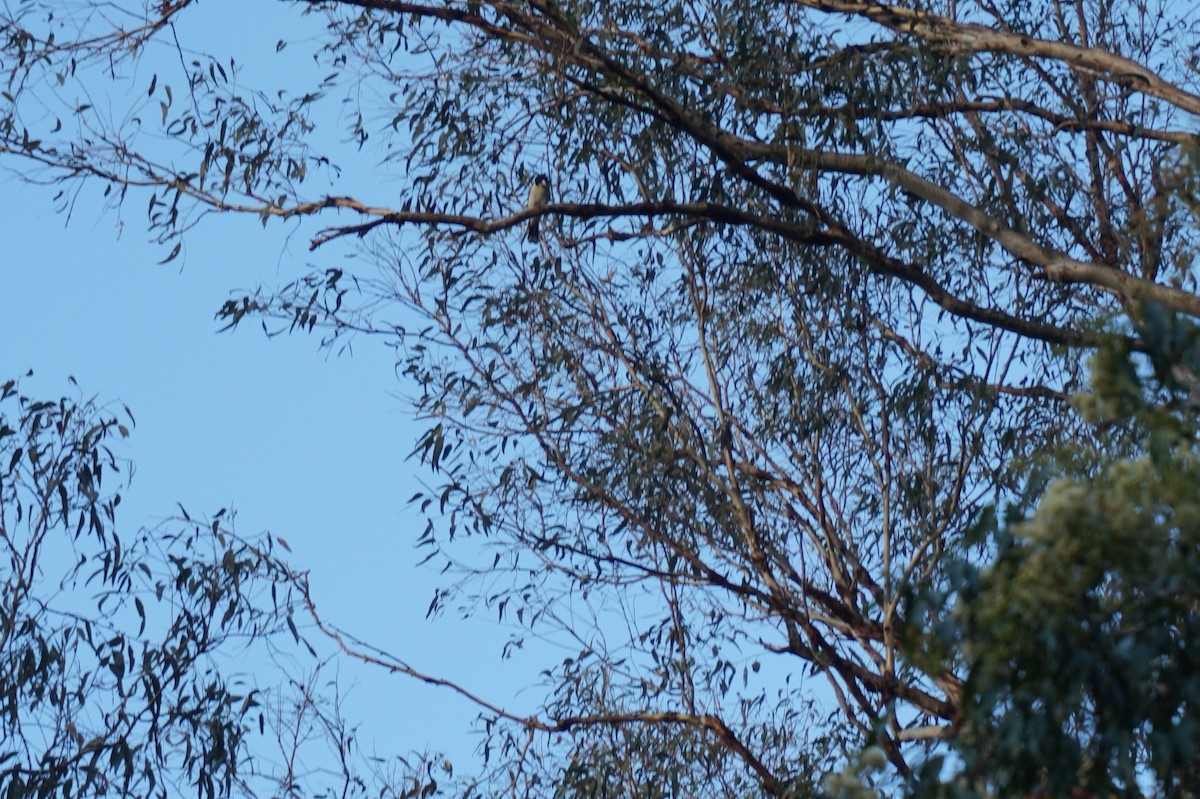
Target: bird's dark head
x,y
542,180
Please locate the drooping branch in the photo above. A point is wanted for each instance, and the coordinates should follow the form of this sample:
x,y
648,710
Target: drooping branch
x,y
371,655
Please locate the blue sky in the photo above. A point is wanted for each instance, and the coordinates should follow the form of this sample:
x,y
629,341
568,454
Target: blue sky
x,y
304,443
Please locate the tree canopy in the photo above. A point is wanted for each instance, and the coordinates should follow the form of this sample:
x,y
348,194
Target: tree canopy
x,y
765,424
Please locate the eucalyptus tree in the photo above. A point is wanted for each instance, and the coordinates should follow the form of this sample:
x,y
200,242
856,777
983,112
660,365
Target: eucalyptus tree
x,y
115,678
814,286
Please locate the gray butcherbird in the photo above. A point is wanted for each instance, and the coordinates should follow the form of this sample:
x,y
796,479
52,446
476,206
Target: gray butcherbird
x,y
539,196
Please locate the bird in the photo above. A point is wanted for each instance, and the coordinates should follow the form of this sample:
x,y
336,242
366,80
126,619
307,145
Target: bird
x,y
539,196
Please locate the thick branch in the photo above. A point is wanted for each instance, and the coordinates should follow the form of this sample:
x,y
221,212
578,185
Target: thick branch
x,y
875,259
1056,265
981,39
